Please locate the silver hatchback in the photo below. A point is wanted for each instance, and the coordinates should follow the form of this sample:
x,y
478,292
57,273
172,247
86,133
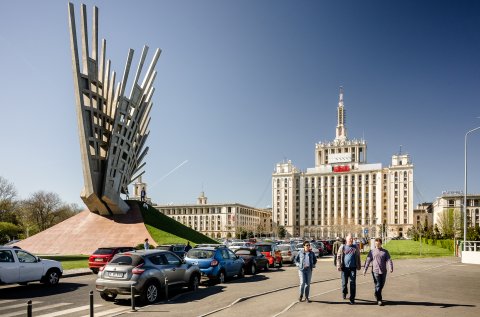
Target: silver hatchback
x,y
147,271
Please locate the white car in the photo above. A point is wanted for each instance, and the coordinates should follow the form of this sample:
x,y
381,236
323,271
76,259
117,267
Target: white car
x,y
315,251
22,267
237,245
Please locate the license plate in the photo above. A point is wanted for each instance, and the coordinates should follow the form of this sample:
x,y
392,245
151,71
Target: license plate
x,y
98,260
115,274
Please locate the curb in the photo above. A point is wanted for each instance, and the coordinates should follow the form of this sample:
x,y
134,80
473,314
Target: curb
x,y
74,273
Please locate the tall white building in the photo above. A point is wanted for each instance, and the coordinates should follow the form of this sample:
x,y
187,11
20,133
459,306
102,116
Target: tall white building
x,y
343,193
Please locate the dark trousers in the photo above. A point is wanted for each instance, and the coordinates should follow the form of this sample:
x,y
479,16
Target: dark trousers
x,y
379,280
335,260
349,273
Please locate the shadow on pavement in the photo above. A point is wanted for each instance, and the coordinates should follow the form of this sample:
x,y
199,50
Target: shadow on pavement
x,y
391,303
38,290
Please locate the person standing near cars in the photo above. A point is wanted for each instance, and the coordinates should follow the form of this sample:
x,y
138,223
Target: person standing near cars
x,y
348,262
146,245
305,260
335,247
379,257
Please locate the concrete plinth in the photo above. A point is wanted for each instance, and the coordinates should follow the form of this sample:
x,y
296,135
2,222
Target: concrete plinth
x,y
87,231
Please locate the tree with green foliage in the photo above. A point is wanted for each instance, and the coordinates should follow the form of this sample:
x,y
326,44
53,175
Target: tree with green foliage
x,y
8,231
282,232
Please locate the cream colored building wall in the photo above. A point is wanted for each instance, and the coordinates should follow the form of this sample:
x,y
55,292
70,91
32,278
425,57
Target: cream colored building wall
x,y
219,220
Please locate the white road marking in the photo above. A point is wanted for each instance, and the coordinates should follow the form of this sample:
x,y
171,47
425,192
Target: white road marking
x,y
35,309
69,311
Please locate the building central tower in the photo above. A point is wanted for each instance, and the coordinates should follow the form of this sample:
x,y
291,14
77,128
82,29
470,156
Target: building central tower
x,y
343,193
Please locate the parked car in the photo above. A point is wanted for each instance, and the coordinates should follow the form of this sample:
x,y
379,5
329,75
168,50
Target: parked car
x,y
178,249
322,250
272,253
328,246
212,245
237,245
288,251
146,271
315,251
102,256
22,267
254,260
216,263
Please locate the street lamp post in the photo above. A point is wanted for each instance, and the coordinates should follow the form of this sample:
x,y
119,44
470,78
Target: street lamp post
x,y
465,190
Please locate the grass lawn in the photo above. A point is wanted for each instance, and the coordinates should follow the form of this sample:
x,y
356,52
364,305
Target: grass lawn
x,y
69,261
409,249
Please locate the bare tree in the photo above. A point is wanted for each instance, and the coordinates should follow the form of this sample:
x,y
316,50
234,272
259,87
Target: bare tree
x,y
8,195
45,209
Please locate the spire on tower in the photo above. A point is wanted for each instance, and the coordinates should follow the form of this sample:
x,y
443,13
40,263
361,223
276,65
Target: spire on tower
x,y
341,130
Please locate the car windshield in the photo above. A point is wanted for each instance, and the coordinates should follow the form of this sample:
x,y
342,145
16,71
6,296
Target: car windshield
x,y
237,244
200,254
122,259
103,251
264,248
284,247
243,252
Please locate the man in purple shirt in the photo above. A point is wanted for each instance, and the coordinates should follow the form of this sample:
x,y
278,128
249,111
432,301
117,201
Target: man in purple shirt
x,y
379,258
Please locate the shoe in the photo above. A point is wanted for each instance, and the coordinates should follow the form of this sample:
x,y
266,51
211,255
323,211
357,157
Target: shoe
x,y
308,300
380,303
352,302
344,296
300,299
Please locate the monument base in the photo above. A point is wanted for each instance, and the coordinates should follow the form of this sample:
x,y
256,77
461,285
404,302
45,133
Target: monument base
x,y
87,231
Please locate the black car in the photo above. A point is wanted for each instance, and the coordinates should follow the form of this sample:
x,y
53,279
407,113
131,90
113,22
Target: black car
x,y
178,249
254,259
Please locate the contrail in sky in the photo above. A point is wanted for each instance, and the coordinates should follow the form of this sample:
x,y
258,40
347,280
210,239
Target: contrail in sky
x,y
166,175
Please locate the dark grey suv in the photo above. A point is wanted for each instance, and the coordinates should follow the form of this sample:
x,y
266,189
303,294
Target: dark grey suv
x,y
146,271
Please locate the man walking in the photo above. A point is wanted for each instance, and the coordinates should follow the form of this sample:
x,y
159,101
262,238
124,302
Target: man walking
x,y
379,258
335,247
348,262
305,260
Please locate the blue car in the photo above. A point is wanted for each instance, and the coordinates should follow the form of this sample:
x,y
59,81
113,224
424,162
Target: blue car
x,y
216,263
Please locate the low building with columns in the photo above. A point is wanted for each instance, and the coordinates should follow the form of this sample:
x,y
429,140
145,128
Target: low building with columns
x,y
343,193
220,220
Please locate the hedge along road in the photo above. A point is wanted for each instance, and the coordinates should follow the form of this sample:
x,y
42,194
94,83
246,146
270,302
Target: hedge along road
x,y
432,287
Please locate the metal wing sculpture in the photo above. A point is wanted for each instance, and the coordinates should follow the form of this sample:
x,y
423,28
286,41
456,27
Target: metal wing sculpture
x,y
112,127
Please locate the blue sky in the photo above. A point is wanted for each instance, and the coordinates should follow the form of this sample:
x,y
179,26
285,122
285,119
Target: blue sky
x,y
243,85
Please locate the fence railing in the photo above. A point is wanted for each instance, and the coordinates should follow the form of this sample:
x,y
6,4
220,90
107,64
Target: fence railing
x,y
471,246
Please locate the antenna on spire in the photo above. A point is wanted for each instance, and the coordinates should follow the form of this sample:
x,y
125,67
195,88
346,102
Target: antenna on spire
x,y
400,150
341,94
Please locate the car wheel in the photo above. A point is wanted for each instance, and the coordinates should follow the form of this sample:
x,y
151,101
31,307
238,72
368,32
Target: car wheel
x,y
253,269
194,282
267,267
150,293
52,277
281,264
109,297
221,277
94,271
241,273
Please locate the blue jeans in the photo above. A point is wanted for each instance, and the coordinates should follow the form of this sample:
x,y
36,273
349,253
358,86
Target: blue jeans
x,y
305,278
379,280
349,273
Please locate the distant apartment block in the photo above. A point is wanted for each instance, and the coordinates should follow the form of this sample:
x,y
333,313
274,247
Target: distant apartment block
x,y
454,201
343,193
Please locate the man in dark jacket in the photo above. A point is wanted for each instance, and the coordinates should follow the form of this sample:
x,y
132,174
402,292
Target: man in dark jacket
x,y
348,262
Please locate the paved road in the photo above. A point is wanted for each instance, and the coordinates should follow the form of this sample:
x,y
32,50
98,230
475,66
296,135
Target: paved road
x,y
423,287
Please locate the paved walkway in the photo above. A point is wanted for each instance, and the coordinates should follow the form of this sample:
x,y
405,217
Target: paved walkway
x,y
422,287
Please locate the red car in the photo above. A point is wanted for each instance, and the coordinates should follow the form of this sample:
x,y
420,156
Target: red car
x,y
103,255
272,253
327,245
